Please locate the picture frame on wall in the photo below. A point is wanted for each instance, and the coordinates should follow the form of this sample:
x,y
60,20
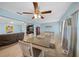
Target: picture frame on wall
x,y
30,29
9,28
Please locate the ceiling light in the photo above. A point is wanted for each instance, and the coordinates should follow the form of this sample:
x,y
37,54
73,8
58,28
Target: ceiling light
x,y
39,16
35,15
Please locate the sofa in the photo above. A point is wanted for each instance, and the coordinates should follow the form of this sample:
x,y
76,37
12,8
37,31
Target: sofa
x,y
7,39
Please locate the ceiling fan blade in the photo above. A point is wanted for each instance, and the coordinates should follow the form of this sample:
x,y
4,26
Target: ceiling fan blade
x,y
35,5
42,17
19,13
45,12
36,9
27,13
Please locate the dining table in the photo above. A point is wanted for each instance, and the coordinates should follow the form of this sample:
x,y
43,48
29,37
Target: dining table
x,y
39,44
39,41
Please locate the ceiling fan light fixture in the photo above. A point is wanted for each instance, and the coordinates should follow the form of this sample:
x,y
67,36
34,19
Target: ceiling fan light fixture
x,y
39,16
42,17
35,15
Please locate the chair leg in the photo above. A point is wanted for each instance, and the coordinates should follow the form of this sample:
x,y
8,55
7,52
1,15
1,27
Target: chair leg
x,y
31,51
42,53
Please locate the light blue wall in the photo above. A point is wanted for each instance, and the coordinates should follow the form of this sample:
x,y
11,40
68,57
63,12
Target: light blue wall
x,y
2,25
17,28
54,27
16,24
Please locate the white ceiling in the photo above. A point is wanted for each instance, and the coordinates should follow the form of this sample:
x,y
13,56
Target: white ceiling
x,y
58,9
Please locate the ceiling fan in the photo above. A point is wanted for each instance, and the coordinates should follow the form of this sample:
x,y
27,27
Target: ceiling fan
x,y
37,13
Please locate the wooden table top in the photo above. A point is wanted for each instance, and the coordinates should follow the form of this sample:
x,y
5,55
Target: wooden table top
x,y
39,42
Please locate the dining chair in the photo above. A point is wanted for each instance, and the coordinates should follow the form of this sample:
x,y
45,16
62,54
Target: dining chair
x,y
26,48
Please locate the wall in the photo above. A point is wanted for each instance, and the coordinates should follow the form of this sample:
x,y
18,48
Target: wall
x,y
17,28
17,25
54,27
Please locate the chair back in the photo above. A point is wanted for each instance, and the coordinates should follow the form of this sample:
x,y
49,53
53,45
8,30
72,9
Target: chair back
x,y
26,48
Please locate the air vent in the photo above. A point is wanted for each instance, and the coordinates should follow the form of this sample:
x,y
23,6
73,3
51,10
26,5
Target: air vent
x,y
48,26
